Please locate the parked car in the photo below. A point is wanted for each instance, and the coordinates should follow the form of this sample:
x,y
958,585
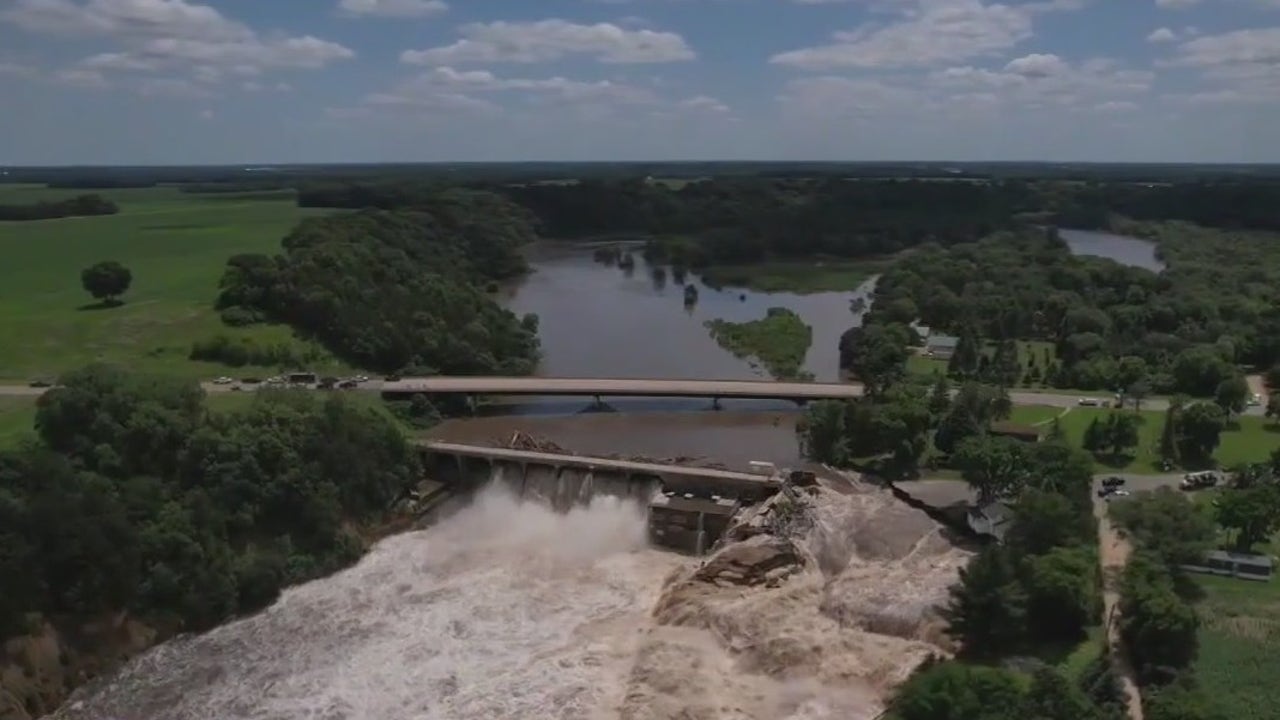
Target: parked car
x,y
1114,481
348,384
1118,493
40,383
1255,400
1089,402
361,378
224,380
1199,480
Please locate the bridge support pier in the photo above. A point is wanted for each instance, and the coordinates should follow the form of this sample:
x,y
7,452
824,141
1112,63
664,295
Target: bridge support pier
x,y
715,403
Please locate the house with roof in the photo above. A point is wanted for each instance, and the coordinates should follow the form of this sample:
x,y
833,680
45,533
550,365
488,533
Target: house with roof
x,y
1016,431
990,519
940,346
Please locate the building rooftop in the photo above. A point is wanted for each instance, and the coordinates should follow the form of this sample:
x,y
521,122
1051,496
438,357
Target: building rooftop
x,y
1243,558
942,341
1013,429
990,519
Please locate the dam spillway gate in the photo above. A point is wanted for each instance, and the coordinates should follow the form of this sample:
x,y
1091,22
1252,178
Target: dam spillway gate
x,y
689,507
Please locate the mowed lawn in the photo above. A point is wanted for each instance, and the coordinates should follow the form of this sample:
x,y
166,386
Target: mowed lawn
x,y
176,246
1247,439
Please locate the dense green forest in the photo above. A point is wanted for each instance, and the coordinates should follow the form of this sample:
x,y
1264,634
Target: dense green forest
x,y
1113,326
397,290
82,205
136,497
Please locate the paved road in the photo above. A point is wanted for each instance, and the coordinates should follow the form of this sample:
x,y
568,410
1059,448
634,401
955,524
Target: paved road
x,y
617,387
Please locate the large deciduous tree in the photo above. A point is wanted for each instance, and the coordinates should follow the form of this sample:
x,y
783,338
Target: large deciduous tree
x,y
106,281
1252,512
993,466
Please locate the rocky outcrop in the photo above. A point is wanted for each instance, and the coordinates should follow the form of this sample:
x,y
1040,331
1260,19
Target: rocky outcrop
x,y
768,561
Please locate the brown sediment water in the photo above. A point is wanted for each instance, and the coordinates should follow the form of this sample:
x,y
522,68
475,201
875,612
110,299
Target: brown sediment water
x,y
511,610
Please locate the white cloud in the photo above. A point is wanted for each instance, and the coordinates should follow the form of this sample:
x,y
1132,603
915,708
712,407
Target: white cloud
x,y
16,69
1255,46
153,34
932,32
81,77
829,96
392,8
136,18
1116,106
705,103
1046,80
546,40
206,114
1036,65
172,87
1162,35
1238,66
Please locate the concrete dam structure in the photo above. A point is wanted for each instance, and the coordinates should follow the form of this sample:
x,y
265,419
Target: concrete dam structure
x,y
689,507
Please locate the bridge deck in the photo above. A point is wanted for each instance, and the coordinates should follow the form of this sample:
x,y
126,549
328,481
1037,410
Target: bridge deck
x,y
623,387
598,463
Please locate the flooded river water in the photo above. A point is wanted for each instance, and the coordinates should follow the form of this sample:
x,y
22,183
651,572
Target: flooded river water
x,y
508,610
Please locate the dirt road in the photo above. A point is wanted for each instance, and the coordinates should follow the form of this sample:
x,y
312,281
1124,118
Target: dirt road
x,y
1113,553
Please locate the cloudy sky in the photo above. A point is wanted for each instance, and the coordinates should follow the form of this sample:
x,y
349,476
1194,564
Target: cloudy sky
x,y
231,81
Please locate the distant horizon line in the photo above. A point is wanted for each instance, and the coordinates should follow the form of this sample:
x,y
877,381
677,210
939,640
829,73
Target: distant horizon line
x,y
471,163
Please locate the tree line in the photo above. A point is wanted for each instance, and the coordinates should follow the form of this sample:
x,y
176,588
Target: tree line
x,y
135,497
1112,326
402,290
79,206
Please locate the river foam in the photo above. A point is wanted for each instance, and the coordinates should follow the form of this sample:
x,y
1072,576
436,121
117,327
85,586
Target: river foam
x,y
510,610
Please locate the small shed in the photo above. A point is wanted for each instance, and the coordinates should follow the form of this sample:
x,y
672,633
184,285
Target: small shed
x,y
1025,433
1232,564
941,347
990,519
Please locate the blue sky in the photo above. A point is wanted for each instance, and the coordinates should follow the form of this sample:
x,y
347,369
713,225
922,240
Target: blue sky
x,y
231,81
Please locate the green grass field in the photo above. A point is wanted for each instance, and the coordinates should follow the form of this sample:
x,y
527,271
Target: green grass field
x,y
17,415
1250,439
796,277
1239,637
176,246
1034,414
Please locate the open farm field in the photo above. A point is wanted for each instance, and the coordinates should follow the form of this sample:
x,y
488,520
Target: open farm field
x,y
176,246
1239,645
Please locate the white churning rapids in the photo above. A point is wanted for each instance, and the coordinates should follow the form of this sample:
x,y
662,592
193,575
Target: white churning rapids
x,y
510,610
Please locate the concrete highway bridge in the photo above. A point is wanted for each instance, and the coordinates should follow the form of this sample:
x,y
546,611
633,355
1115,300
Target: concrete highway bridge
x,y
622,387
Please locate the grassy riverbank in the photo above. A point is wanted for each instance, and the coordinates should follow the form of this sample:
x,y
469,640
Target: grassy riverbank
x,y
176,245
779,342
812,276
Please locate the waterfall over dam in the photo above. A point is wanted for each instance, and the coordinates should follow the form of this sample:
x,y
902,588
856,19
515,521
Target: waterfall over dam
x,y
688,507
